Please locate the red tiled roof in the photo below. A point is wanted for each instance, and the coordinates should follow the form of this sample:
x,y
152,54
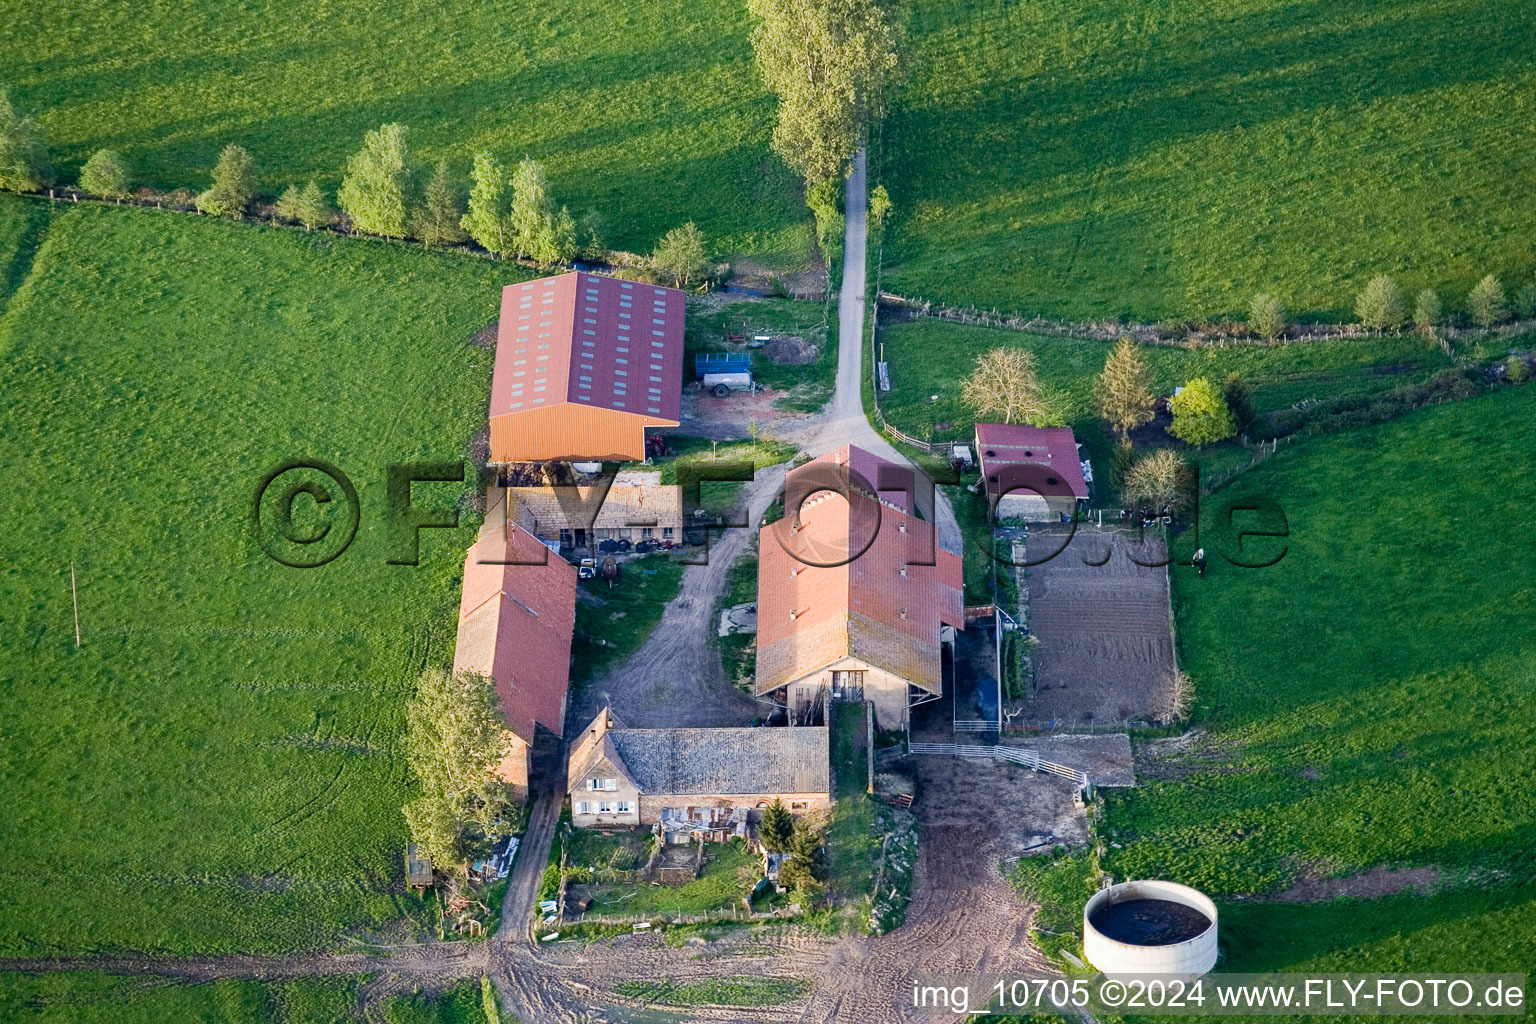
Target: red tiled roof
x,y
880,608
1010,444
609,351
515,625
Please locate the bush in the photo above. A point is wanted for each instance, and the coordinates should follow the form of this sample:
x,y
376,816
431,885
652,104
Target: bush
x,y
234,184
1486,304
1524,304
105,174
1426,311
1516,369
1380,305
1266,317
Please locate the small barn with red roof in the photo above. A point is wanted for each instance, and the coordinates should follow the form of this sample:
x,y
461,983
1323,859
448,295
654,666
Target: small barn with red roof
x,y
584,364
516,617
1030,472
852,594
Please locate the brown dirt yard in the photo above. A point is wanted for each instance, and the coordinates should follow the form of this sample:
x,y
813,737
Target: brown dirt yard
x,y
1105,641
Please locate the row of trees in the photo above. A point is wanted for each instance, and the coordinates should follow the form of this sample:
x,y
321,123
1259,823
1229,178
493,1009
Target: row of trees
x,y
1005,385
455,737
384,192
832,66
1382,305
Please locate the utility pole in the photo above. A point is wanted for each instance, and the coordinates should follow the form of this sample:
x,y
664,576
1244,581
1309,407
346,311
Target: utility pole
x,y
75,597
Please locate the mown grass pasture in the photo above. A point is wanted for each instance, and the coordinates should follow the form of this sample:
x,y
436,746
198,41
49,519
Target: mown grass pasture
x,y
1168,160
649,114
217,767
1366,699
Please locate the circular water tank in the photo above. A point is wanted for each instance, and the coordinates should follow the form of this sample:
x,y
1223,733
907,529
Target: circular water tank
x,y
1150,927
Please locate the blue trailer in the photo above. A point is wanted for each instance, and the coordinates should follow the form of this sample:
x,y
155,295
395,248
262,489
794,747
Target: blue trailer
x,y
724,372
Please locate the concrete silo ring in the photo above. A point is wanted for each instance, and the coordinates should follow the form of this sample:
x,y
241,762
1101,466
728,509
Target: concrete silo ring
x,y
1136,936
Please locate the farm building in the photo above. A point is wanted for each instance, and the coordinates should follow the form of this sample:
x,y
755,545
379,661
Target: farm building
x,y
579,511
694,781
584,364
1030,472
516,618
866,629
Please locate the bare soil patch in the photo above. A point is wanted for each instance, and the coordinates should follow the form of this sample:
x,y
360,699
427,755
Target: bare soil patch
x,y
1105,643
485,337
1381,880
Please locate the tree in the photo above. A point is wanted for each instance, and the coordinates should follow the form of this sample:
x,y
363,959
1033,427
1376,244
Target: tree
x,y
436,222
1380,305
1486,304
776,827
805,864
1426,311
1266,317
879,208
1124,389
681,254
105,174
23,150
306,205
825,201
1156,483
832,66
234,184
1200,414
455,737
487,219
1234,391
556,240
1005,384
378,188
532,206
1516,369
590,231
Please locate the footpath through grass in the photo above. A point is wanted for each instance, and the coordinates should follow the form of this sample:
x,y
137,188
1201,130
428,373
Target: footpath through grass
x,y
217,768
1368,700
651,114
1169,159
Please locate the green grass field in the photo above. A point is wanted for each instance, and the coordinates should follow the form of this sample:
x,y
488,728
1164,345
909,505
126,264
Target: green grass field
x,y
1169,159
88,998
931,357
650,114
1367,698
217,768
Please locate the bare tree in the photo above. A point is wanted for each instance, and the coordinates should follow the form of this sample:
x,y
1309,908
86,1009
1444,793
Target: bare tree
x,y
1005,384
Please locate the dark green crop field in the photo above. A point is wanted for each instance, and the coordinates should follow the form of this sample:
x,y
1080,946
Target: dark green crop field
x,y
1367,700
217,767
651,114
1170,158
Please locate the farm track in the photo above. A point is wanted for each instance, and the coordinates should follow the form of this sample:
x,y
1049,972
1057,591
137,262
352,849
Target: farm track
x,y
963,917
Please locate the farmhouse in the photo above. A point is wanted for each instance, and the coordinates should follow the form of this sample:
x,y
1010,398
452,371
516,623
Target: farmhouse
x,y
578,511
1030,472
694,780
866,629
584,363
516,617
